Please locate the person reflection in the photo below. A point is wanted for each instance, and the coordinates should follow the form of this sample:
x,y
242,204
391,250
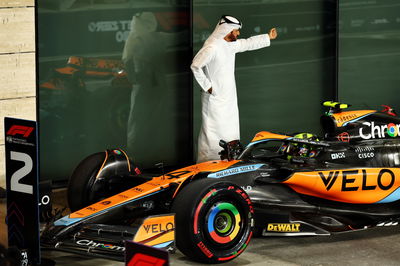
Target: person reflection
x,y
144,56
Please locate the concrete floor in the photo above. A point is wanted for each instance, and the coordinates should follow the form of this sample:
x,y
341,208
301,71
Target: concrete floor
x,y
378,246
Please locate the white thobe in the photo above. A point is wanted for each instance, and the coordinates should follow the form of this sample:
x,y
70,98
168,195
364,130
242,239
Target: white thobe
x,y
214,67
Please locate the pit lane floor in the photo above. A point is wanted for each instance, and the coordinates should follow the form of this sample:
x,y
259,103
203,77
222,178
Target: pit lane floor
x,y
377,246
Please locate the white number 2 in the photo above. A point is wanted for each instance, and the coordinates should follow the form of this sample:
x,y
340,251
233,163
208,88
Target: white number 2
x,y
21,173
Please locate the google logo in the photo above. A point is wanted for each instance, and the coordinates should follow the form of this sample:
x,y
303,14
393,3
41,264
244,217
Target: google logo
x,y
392,130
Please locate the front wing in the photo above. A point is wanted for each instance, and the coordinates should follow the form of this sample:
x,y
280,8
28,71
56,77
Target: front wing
x,y
108,241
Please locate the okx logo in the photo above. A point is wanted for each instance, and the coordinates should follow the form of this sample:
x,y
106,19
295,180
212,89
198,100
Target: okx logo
x,y
20,130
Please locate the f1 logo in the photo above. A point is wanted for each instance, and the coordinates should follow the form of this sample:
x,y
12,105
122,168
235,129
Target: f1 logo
x,y
143,259
20,130
137,254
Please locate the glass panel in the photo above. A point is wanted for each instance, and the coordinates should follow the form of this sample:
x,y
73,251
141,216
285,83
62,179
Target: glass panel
x,y
369,53
280,88
113,73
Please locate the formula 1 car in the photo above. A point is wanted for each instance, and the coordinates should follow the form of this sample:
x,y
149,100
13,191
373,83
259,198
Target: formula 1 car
x,y
278,184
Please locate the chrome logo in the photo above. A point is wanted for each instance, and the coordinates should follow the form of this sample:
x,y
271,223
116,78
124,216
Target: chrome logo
x,y
392,130
91,243
373,131
223,222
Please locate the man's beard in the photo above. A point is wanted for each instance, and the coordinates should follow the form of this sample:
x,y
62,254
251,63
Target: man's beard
x,y
232,38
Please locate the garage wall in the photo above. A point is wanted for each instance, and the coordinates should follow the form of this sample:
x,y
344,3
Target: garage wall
x,y
369,53
17,61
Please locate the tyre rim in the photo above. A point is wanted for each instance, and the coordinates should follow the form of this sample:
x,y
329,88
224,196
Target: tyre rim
x,y
223,222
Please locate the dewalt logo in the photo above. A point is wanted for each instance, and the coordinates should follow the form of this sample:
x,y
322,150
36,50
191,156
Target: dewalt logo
x,y
285,227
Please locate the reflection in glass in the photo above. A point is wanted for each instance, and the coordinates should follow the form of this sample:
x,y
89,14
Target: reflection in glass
x,y
85,86
151,116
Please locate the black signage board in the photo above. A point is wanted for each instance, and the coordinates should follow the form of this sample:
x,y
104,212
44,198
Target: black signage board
x,y
45,200
21,154
138,254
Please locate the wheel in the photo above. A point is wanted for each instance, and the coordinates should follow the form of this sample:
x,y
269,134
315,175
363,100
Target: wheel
x,y
213,220
80,192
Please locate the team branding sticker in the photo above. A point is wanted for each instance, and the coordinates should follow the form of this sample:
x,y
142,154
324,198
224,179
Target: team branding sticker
x,y
384,180
343,119
344,137
364,149
392,130
236,170
373,131
284,227
157,231
338,155
283,148
365,152
106,202
346,118
368,185
117,152
91,243
366,155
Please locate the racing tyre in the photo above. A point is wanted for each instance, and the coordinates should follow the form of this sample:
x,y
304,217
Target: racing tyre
x,y
213,220
80,192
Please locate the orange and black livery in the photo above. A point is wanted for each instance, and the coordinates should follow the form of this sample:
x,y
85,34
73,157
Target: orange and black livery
x,y
279,184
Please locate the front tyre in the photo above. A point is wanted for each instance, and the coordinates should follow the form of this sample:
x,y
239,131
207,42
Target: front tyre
x,y
213,220
81,192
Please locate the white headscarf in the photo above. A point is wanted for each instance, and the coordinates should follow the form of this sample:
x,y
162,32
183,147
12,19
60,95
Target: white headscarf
x,y
141,37
143,22
222,29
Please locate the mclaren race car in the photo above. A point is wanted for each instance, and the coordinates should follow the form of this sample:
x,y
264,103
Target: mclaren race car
x,y
295,184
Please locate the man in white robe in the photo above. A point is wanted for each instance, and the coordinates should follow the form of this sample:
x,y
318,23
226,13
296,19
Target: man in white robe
x,y
214,69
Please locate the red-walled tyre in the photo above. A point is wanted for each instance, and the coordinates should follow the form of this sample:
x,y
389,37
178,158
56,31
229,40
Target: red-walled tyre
x,y
213,220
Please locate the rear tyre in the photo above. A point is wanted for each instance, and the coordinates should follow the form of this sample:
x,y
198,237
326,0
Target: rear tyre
x,y
213,220
80,191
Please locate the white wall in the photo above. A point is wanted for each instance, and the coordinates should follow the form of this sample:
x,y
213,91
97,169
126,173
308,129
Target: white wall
x,y
17,65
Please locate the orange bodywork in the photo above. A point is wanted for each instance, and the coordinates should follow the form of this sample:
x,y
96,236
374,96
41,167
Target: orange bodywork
x,y
92,67
152,186
156,230
361,186
344,117
88,67
268,135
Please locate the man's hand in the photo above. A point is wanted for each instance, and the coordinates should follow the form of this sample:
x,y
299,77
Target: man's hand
x,y
210,90
272,33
